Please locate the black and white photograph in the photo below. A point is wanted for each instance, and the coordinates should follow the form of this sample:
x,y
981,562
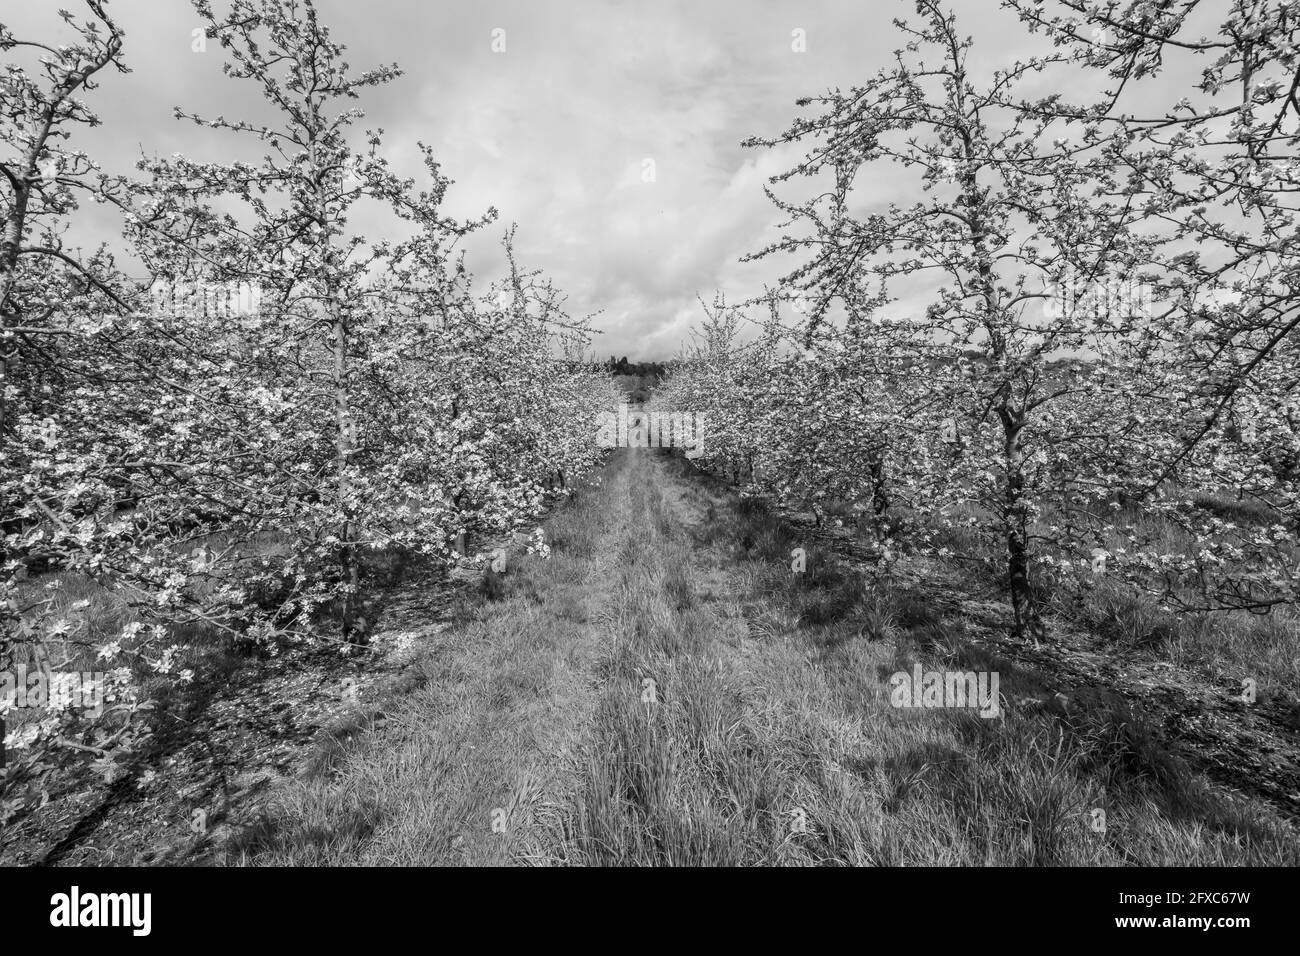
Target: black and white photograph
x,y
591,433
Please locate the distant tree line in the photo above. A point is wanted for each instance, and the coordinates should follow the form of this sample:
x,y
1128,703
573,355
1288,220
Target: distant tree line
x,y
623,367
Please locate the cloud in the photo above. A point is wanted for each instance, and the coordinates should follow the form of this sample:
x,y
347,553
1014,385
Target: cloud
x,y
554,131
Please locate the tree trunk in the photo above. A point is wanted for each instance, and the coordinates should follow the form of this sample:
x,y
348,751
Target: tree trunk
x,y
344,443
10,246
879,492
1016,523
344,449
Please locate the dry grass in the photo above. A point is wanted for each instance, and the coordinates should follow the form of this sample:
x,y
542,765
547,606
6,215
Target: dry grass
x,y
665,691
784,749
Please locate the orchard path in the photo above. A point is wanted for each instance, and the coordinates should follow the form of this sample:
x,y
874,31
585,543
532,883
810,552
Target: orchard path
x,y
662,689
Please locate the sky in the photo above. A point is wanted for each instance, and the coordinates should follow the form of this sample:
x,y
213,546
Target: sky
x,y
608,131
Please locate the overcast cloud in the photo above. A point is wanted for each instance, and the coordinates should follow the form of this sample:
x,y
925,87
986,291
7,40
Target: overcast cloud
x,y
554,131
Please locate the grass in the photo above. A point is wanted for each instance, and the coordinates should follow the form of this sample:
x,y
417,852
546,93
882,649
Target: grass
x,y
800,731
664,690
1227,645
470,765
94,612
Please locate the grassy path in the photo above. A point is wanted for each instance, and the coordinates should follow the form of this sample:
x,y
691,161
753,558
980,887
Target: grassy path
x,y
665,690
